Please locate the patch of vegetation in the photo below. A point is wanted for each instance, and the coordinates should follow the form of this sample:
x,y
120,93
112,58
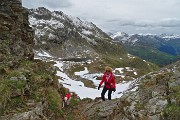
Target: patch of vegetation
x,y
153,55
175,93
54,101
96,66
141,66
139,106
171,112
88,83
42,81
75,68
17,104
113,62
74,102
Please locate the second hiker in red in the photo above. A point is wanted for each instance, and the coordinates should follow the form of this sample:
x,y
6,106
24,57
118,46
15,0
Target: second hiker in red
x,y
109,83
66,99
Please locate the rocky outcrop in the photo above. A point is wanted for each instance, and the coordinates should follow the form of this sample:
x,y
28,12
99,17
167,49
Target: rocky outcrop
x,y
155,99
26,85
35,114
16,37
16,40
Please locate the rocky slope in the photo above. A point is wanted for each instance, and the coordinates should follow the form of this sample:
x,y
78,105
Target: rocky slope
x,y
160,49
16,38
68,37
156,98
28,87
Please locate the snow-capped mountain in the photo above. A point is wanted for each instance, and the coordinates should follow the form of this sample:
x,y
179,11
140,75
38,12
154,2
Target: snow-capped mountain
x,y
120,36
124,37
169,36
162,49
79,38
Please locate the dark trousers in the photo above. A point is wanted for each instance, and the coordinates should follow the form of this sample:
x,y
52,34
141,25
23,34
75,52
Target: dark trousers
x,y
103,93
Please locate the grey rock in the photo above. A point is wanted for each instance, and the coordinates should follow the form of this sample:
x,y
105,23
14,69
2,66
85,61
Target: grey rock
x,y
34,114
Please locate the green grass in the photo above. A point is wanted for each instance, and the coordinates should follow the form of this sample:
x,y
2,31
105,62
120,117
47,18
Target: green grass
x,y
39,74
154,56
171,112
75,68
54,101
175,93
139,106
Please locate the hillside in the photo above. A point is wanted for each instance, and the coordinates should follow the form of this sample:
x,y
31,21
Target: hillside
x,y
154,96
29,88
160,49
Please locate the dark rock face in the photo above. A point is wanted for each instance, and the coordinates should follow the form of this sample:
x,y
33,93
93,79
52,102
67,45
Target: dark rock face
x,y
18,69
16,37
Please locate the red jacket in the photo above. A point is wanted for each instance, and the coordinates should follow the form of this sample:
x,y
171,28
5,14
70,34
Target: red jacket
x,y
68,95
109,80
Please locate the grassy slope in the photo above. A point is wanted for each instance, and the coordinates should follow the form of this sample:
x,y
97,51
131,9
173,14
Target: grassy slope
x,y
154,56
43,84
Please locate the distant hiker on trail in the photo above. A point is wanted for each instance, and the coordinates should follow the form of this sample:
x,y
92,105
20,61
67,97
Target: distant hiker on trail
x,y
66,99
110,83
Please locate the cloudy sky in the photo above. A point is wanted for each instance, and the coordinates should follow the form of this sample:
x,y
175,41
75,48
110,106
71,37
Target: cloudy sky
x,y
130,16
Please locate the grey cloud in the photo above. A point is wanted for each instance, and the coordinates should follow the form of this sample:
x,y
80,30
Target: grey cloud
x,y
130,23
53,4
120,15
57,3
155,27
120,22
170,22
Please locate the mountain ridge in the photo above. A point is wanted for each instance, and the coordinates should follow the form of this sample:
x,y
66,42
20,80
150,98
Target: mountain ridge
x,y
162,49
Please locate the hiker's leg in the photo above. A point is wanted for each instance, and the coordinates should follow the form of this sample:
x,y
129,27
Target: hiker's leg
x,y
103,93
65,101
109,94
68,101
63,104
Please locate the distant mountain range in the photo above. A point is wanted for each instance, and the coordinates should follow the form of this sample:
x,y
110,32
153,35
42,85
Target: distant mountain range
x,y
160,49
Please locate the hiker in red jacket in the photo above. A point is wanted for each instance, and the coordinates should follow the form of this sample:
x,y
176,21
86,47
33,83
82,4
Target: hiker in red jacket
x,y
110,83
66,99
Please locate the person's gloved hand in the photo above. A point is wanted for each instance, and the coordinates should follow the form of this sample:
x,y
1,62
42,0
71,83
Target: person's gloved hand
x,y
99,87
114,89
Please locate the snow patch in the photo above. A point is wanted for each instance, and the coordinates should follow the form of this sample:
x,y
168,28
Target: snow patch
x,y
43,54
82,72
120,70
86,32
118,34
